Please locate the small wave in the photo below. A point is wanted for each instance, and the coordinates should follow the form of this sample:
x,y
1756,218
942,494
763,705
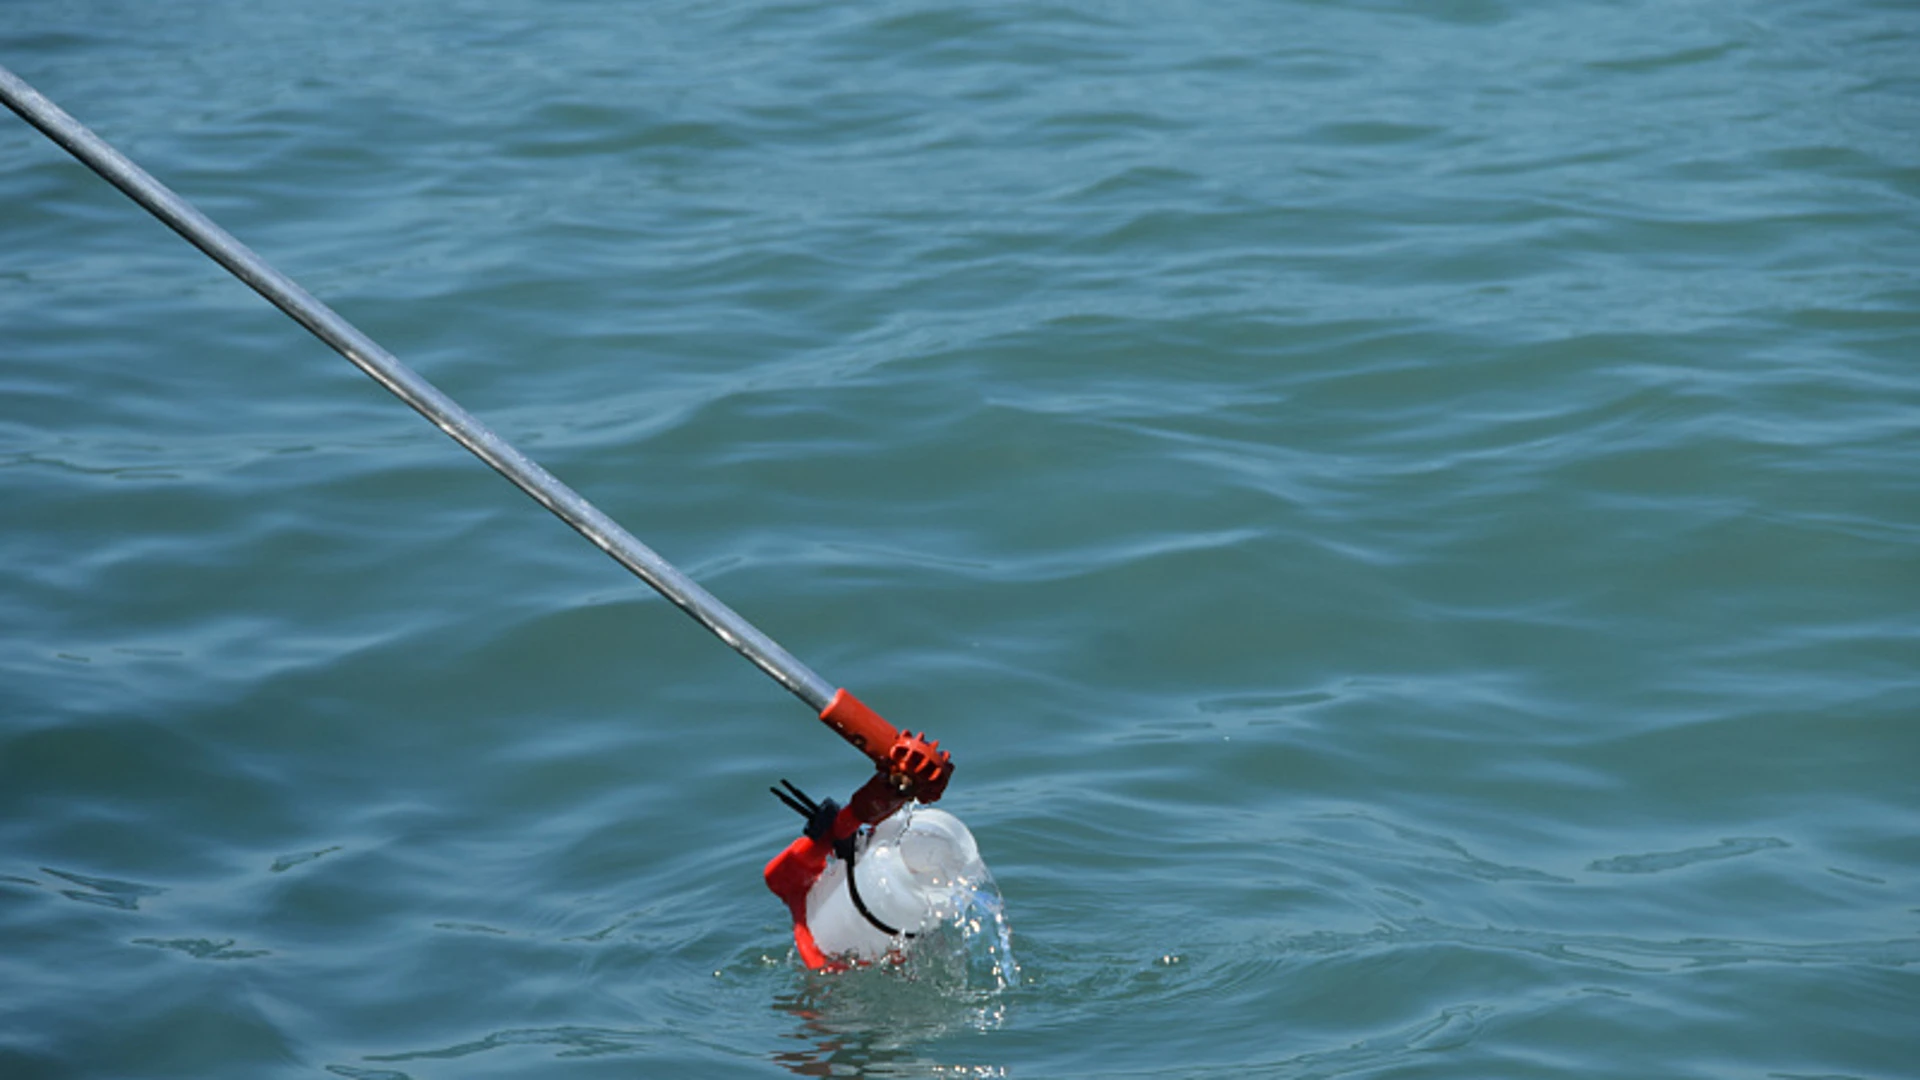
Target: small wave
x,y
106,892
1661,861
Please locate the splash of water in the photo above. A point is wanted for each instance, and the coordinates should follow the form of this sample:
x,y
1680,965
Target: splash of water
x,y
970,951
984,929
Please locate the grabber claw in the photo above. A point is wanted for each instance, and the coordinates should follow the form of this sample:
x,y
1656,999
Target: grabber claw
x,y
908,767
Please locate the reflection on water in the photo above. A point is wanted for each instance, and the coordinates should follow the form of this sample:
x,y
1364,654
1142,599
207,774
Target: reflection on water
x,y
880,1022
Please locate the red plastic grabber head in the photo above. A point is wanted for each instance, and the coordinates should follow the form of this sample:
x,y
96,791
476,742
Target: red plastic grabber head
x,y
918,767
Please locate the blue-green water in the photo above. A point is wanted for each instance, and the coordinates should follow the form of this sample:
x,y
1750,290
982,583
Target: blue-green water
x,y
1406,514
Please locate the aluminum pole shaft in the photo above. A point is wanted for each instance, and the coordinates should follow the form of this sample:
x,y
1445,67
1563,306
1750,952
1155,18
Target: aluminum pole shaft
x,y
446,414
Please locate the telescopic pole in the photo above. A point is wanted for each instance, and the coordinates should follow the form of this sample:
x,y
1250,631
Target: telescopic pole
x,y
915,764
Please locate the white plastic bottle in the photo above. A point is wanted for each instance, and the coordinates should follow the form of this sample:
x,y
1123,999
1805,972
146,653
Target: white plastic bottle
x,y
910,872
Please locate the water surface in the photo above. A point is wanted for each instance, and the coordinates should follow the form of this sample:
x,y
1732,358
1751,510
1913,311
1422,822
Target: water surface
x,y
1405,514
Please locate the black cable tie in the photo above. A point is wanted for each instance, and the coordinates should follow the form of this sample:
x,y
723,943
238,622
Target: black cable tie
x,y
797,801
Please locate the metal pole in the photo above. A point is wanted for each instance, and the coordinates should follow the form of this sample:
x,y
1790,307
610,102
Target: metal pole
x,y
446,414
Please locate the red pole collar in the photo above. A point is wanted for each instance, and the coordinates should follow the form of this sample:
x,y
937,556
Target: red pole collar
x,y
917,767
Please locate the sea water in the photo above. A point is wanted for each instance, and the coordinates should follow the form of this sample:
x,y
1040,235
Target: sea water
x,y
1403,512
